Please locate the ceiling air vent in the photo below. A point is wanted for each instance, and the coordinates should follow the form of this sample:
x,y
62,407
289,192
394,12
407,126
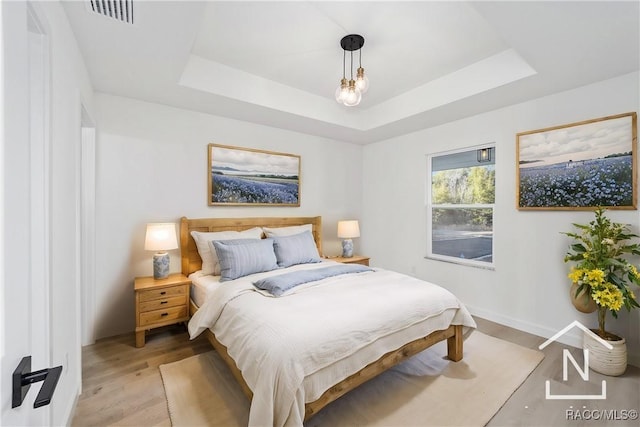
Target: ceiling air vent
x,y
122,10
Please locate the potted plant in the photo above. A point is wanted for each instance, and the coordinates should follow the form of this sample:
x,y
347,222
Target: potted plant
x,y
603,274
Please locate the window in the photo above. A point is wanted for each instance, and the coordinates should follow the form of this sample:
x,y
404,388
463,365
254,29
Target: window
x,y
460,204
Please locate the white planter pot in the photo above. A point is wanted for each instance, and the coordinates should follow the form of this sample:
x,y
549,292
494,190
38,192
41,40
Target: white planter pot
x,y
603,360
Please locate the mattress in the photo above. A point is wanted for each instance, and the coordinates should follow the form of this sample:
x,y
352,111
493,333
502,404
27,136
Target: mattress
x,y
312,372
201,286
318,382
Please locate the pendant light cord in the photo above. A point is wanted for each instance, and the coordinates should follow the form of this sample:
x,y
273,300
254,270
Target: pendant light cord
x,y
351,65
344,56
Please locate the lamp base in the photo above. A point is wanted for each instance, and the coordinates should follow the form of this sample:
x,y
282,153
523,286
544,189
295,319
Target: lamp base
x,y
161,265
347,248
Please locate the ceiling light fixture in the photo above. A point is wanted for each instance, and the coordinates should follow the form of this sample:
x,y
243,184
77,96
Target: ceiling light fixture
x,y
350,91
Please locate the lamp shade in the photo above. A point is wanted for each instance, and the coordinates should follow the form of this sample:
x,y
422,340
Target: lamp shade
x,y
348,229
161,237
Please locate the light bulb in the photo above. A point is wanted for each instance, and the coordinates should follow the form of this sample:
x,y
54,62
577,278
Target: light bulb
x,y
362,81
342,91
354,96
359,97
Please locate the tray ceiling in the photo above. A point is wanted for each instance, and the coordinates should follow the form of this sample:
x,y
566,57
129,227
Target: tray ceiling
x,y
279,63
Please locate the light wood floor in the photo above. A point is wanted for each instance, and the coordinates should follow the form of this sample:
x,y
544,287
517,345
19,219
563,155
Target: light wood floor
x,y
122,384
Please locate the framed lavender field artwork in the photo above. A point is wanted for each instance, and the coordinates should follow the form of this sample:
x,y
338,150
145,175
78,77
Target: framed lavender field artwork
x,y
244,176
578,166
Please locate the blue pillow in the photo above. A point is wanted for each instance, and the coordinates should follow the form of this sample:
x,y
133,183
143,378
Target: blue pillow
x,y
242,257
295,249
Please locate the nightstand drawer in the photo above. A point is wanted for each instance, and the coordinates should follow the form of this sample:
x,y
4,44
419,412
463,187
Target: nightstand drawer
x,y
157,316
159,304
163,293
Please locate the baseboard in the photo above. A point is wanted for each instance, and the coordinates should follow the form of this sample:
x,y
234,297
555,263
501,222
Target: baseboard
x,y
572,337
71,410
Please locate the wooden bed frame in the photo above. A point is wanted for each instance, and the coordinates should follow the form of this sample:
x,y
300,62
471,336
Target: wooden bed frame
x,y
191,262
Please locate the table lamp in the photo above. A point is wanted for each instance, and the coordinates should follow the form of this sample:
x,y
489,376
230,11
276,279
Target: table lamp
x,y
348,230
161,237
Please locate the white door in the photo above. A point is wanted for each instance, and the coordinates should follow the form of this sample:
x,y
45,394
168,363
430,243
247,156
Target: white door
x,y
24,199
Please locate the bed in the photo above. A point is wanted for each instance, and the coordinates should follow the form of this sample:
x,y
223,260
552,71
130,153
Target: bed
x,y
374,357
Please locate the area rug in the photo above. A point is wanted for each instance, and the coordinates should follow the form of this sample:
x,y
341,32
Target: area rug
x,y
426,390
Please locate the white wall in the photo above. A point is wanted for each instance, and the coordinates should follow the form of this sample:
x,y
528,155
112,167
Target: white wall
x,y
152,167
70,88
529,288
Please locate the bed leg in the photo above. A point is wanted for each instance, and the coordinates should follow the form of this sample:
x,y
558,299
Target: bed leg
x,y
454,344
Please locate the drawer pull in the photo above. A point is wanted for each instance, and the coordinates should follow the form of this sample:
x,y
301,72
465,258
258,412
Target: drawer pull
x,y
163,292
163,302
164,314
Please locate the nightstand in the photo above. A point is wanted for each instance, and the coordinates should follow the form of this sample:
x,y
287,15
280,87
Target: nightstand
x,y
356,259
160,303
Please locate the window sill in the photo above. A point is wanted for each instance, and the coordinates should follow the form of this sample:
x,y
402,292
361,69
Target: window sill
x,y
460,261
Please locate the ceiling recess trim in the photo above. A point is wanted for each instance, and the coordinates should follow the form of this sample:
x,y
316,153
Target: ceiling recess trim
x,y
120,10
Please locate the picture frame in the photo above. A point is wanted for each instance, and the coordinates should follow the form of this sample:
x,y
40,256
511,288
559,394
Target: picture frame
x,y
578,166
240,176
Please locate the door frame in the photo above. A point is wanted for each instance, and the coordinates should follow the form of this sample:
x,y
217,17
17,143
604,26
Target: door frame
x,y
40,173
25,201
86,231
40,272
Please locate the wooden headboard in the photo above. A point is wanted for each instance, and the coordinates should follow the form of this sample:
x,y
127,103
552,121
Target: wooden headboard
x,y
191,260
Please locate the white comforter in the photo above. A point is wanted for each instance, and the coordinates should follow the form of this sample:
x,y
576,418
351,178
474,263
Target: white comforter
x,y
277,342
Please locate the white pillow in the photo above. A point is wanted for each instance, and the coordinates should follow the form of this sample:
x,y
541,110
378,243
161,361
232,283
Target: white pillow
x,y
287,231
210,263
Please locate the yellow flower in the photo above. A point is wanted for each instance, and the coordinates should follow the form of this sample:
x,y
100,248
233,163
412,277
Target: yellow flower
x,y
595,276
634,271
576,274
608,296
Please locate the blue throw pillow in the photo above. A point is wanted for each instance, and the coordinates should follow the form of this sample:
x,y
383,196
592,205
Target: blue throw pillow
x,y
296,249
242,257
